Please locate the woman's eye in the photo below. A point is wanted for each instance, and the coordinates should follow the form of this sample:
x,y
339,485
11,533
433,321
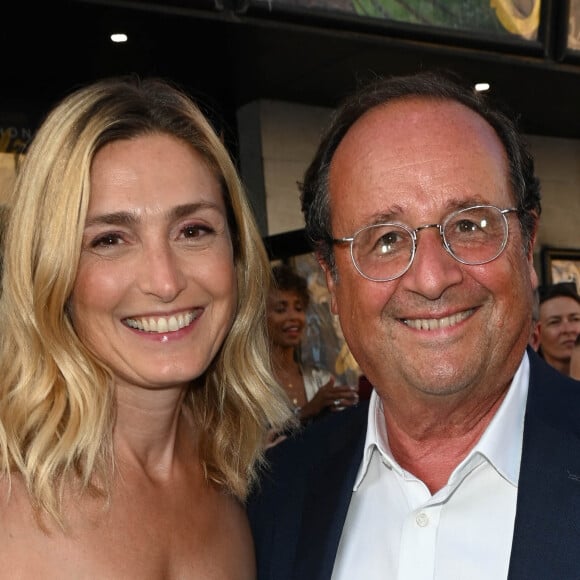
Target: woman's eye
x,y
197,231
106,240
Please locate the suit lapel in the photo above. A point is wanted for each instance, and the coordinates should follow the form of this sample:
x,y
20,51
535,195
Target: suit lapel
x,y
547,529
328,496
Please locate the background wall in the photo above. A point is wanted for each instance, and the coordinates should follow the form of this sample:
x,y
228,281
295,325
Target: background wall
x,y
558,166
290,135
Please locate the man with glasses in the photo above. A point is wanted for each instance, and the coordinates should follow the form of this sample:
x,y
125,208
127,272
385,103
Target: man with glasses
x,y
422,206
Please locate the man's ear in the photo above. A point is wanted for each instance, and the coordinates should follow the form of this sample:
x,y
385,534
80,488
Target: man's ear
x,y
530,256
330,282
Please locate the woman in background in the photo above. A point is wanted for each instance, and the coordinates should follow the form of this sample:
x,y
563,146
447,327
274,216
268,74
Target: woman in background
x,y
134,401
311,390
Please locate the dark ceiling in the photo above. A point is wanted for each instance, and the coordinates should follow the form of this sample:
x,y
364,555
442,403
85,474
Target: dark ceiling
x,y
228,58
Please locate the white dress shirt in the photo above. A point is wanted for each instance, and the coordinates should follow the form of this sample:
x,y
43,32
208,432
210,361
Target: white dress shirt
x,y
396,530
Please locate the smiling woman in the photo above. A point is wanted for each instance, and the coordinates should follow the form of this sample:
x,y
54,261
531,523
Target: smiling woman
x,y
135,400
313,390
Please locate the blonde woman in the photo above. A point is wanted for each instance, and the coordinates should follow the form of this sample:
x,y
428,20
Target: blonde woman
x,y
135,400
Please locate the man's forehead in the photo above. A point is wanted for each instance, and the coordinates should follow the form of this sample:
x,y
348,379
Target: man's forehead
x,y
421,147
407,123
413,110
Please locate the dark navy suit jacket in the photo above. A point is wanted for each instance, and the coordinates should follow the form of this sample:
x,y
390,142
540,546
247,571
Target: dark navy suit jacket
x,y
298,514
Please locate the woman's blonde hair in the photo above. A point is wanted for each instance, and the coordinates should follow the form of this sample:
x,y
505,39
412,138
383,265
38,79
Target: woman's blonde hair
x,y
57,407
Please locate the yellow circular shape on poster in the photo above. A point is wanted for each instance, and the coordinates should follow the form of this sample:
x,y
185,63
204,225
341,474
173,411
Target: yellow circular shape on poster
x,y
516,18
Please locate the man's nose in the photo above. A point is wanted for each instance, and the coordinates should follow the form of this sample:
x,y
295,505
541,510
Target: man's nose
x,y
433,269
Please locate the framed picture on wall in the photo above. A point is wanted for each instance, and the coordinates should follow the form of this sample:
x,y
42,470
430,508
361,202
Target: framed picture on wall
x,y
560,265
512,21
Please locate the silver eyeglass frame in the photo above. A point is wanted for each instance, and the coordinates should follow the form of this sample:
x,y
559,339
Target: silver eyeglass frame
x,y
413,233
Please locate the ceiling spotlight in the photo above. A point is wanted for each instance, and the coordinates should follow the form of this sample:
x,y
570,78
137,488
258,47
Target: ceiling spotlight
x,y
482,87
119,37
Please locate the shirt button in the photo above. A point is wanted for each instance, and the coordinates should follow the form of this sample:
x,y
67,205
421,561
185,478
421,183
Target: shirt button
x,y
422,519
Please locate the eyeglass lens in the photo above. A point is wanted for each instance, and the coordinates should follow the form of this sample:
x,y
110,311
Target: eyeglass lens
x,y
472,236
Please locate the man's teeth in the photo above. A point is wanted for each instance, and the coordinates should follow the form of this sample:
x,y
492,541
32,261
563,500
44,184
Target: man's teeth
x,y
162,323
437,323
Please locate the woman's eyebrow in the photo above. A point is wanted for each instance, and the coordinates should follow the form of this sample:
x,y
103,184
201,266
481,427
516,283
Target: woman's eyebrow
x,y
189,208
114,218
125,218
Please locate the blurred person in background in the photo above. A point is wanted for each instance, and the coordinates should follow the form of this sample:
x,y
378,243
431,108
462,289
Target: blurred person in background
x,y
558,324
312,390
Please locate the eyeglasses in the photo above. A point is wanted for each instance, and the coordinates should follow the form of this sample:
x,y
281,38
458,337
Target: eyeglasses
x,y
473,236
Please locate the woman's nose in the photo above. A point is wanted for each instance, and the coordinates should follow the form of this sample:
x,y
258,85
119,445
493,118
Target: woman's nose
x,y
162,274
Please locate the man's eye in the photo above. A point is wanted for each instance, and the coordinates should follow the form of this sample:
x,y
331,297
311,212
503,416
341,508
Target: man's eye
x,y
389,243
466,226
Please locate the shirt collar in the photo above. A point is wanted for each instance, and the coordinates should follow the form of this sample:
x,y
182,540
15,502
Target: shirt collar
x,y
500,444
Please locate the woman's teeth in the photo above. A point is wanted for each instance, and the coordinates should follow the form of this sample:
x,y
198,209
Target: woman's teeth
x,y
162,324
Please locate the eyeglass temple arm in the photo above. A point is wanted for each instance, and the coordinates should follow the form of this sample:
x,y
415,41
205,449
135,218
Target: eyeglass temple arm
x,y
342,240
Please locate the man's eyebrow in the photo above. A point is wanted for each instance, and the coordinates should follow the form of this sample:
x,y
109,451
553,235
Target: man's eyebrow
x,y
390,215
396,212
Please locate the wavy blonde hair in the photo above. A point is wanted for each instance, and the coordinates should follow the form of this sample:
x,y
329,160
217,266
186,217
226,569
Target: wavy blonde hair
x,y
57,406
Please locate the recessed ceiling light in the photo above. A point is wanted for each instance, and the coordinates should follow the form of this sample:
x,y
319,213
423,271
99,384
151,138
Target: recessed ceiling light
x,y
119,37
482,87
